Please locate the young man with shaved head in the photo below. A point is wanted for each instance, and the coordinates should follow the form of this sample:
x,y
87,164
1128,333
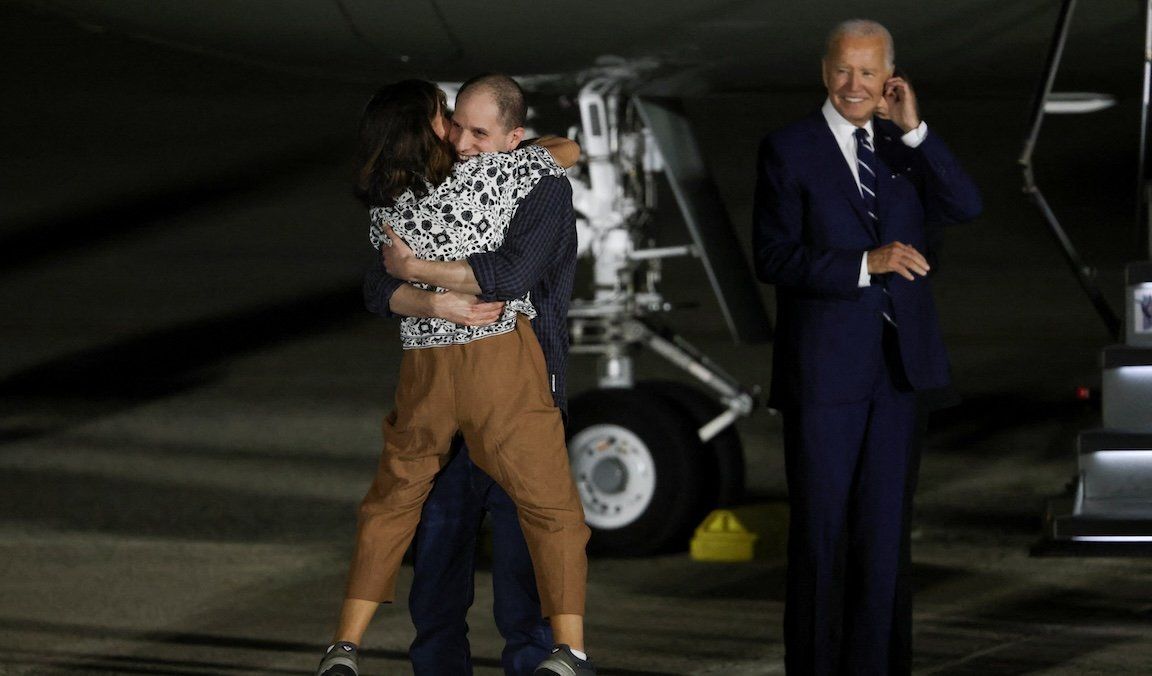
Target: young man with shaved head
x,y
842,201
538,256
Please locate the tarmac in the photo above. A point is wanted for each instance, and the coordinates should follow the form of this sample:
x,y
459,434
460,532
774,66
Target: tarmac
x,y
192,391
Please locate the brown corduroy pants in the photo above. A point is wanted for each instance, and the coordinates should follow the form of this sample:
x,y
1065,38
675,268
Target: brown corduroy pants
x,y
495,392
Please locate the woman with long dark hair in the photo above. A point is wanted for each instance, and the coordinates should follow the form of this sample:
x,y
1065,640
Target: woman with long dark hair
x,y
487,383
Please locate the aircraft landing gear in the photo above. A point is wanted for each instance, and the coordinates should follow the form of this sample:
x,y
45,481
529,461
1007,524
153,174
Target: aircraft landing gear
x,y
644,476
651,459
637,469
724,473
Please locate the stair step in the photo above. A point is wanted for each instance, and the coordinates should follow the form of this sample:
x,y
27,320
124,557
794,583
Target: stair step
x,y
1115,474
1127,388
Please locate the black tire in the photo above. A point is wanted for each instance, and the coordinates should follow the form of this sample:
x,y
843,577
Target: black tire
x,y
608,424
727,470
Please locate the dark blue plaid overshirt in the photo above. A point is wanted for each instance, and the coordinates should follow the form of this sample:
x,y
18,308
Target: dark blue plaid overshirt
x,y
538,256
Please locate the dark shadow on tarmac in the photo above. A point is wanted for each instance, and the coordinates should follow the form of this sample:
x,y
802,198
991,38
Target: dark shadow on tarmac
x,y
72,501
759,580
96,382
29,243
87,662
969,426
1028,521
295,462
1080,609
120,664
1045,630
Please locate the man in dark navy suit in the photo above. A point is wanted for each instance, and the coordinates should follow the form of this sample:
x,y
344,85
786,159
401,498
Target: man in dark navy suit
x,y
842,202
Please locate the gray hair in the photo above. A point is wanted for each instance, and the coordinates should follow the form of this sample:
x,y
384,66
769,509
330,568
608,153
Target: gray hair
x,y
862,28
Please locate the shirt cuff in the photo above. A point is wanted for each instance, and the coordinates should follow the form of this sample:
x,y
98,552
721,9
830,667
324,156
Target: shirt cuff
x,y
485,274
378,290
916,136
865,279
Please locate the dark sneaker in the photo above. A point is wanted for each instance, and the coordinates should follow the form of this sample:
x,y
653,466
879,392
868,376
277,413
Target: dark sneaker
x,y
563,663
340,660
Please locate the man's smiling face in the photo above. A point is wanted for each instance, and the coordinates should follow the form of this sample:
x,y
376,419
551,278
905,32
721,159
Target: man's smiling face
x,y
855,71
477,126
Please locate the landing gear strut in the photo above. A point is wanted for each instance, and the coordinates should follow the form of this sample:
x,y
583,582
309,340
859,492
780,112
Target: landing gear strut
x,y
651,459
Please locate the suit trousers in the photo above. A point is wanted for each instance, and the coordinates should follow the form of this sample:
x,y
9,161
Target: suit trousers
x,y
495,393
847,466
443,583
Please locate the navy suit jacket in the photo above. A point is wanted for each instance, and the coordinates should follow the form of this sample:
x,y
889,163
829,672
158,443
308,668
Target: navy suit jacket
x,y
810,231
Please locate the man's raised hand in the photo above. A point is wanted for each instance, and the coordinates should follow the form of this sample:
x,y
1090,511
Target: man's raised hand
x,y
900,104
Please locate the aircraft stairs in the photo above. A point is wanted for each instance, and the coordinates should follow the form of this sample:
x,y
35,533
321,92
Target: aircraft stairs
x,y
1111,507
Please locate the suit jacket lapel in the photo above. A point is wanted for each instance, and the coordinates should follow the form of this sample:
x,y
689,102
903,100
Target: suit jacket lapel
x,y
885,174
833,165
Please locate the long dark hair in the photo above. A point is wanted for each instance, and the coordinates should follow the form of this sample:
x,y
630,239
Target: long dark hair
x,y
398,149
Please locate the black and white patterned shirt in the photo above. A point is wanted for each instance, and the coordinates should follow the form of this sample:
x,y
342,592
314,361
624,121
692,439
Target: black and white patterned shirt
x,y
538,255
466,214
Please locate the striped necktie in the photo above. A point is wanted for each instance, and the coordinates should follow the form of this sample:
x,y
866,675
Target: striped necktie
x,y
866,164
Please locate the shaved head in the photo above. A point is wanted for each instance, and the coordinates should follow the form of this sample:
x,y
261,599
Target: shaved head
x,y
507,94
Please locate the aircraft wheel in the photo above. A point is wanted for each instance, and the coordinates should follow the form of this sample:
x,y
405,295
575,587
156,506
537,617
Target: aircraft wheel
x,y
638,464
726,453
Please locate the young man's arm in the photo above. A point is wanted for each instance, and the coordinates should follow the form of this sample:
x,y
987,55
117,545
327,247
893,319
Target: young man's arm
x,y
379,288
399,262
390,297
543,221
510,271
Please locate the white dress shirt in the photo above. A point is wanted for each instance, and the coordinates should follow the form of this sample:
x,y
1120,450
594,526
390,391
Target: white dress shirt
x,y
844,132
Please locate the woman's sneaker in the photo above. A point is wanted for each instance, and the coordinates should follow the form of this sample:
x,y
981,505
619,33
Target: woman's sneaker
x,y
339,660
563,663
